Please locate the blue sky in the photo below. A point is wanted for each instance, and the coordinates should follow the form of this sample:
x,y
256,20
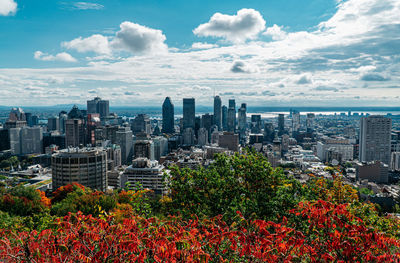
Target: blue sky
x,y
274,53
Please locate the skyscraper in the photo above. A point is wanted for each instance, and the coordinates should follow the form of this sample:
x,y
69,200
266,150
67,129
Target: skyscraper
x,y
281,124
231,116
224,118
53,124
375,134
74,132
189,113
125,141
242,118
218,112
16,119
295,121
256,123
310,123
97,105
168,116
141,124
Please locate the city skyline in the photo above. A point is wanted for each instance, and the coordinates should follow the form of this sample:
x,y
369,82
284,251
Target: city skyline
x,y
263,53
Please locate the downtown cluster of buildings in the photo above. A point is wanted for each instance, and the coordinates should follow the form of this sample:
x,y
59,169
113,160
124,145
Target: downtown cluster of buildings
x,y
101,150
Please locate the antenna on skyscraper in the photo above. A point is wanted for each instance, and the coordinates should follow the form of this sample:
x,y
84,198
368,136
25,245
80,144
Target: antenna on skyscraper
x,y
214,91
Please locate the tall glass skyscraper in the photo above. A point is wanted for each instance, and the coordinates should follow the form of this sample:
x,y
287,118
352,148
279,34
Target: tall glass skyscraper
x,y
218,112
168,116
231,118
189,113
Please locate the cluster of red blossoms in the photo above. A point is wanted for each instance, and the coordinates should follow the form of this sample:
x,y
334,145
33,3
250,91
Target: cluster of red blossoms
x,y
318,232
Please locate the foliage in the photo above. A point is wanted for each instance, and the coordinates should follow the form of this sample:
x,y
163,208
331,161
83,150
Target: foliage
x,y
366,191
87,201
332,234
245,183
22,201
335,191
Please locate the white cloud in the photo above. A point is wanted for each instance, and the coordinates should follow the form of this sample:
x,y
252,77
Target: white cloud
x,y
8,7
87,6
305,79
246,24
242,67
63,56
139,39
328,57
97,43
203,45
275,32
131,37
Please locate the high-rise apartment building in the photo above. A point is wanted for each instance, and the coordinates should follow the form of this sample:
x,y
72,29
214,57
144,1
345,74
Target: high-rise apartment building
x,y
374,138
218,112
189,113
168,116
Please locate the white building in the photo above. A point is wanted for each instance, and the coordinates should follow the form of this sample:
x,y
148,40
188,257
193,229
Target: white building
x,y
149,174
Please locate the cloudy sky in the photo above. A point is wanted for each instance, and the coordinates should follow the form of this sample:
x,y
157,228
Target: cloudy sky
x,y
265,53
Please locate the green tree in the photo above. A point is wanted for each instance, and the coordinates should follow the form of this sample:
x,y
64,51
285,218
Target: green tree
x,y
242,182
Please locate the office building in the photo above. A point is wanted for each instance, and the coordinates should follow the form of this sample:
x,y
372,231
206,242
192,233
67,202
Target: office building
x,y
310,122
4,140
53,124
375,133
74,132
229,140
224,118
75,113
97,105
148,174
168,125
202,138
269,132
86,166
141,124
188,137
125,140
218,112
26,140
256,123
395,161
16,119
281,124
160,146
231,125
189,113
62,117
295,121
375,171
143,149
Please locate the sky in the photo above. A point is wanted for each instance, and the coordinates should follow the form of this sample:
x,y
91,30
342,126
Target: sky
x,y
265,53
